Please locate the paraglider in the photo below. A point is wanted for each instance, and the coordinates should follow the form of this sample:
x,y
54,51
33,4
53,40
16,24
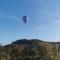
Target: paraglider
x,y
25,18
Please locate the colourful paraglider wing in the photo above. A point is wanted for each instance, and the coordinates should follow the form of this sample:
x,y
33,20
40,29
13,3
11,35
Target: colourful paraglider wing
x,y
24,19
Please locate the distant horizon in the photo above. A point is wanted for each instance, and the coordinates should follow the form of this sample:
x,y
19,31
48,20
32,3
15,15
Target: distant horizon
x,y
27,39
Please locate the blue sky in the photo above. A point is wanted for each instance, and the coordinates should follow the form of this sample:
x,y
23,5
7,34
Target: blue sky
x,y
44,20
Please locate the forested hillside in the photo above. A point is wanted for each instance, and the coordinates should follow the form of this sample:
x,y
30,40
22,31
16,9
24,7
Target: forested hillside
x,y
33,49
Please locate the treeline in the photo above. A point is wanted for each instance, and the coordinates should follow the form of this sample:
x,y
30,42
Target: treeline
x,y
28,50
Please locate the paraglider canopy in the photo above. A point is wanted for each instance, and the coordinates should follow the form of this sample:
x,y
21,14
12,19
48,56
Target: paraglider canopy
x,y
25,18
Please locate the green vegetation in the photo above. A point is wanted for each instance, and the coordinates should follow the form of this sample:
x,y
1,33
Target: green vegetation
x,y
29,50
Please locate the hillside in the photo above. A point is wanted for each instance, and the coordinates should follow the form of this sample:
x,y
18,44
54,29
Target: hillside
x,y
32,49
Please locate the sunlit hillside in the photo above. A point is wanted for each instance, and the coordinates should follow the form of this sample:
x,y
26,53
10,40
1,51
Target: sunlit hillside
x,y
32,49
